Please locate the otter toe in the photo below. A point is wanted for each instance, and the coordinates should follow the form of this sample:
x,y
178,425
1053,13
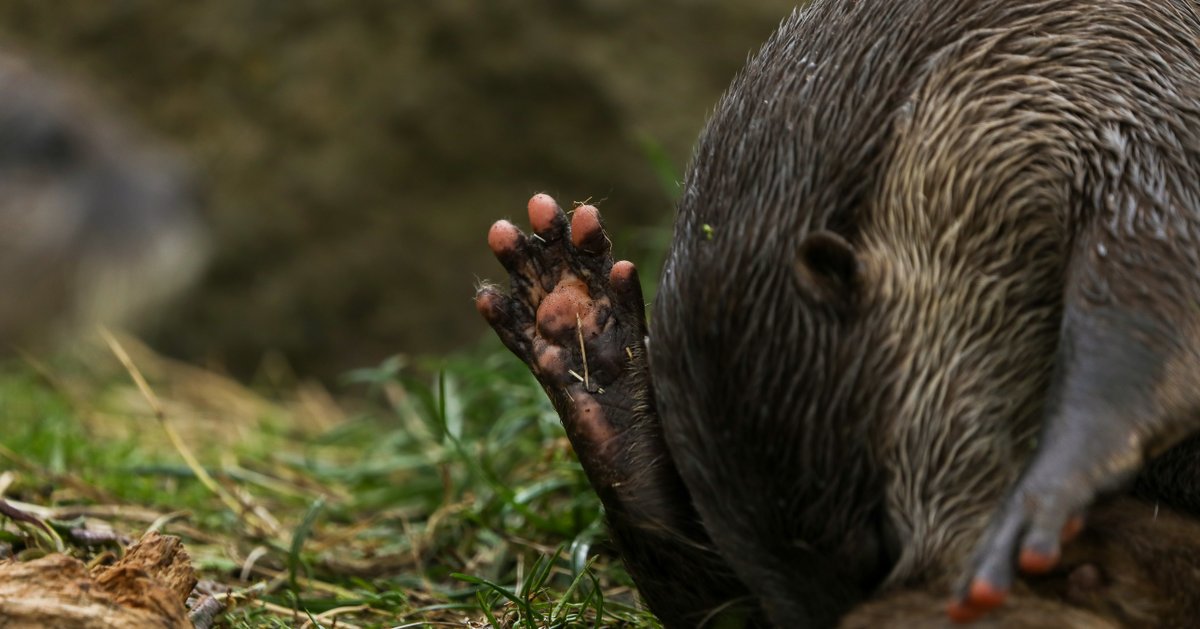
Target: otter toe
x,y
504,239
586,232
1051,517
1032,527
1042,546
591,245
529,283
626,291
511,323
490,304
992,569
984,596
546,218
511,248
1038,559
550,248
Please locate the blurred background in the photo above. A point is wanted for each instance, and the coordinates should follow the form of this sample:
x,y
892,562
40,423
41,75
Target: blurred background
x,y
353,155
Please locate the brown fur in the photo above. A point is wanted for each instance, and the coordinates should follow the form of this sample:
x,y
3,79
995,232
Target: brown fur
x,y
971,153
922,246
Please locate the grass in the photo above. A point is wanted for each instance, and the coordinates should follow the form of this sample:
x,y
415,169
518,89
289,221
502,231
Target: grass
x,y
421,493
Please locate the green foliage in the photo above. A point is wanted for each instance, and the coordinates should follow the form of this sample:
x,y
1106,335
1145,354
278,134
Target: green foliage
x,y
437,490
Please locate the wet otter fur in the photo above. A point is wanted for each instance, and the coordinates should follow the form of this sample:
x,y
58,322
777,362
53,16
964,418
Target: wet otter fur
x,y
933,290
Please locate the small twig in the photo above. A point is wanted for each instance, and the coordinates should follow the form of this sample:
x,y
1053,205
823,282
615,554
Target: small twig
x,y
277,485
582,351
246,499
204,614
332,614
280,610
36,525
117,511
248,565
102,559
167,518
18,515
89,537
580,378
427,623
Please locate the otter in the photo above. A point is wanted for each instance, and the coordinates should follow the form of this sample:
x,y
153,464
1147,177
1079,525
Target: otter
x,y
929,313
96,223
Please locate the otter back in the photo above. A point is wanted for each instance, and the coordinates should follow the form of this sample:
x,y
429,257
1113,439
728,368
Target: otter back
x,y
857,326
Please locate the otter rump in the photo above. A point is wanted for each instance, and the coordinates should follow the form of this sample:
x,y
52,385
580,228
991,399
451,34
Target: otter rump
x,y
932,292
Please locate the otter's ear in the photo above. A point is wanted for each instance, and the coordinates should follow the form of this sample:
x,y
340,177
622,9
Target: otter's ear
x,y
827,268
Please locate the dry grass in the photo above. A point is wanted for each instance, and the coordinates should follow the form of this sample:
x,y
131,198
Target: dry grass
x,y
421,494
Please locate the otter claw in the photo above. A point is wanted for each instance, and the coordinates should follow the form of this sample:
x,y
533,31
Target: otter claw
x,y
1033,526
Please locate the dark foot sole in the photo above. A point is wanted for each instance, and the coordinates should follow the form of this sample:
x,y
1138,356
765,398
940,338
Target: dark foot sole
x,y
577,319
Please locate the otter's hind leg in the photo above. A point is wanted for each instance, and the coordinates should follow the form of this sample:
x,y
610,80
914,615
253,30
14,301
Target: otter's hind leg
x,y
1127,387
1137,565
578,321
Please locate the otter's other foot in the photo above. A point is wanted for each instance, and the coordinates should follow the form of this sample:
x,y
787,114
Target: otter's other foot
x,y
1126,391
1036,521
1082,455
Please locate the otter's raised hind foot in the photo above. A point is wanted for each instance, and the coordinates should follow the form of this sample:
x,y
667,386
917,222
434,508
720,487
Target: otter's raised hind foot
x,y
578,321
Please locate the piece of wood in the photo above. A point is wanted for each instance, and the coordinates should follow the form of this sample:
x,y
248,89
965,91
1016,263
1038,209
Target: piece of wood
x,y
146,588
